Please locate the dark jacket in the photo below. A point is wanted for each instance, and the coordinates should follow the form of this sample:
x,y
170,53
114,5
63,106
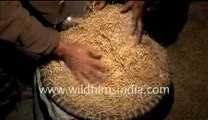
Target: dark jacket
x,y
18,25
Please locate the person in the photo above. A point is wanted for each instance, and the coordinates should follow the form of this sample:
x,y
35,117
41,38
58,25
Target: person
x,y
29,27
34,35
136,7
161,20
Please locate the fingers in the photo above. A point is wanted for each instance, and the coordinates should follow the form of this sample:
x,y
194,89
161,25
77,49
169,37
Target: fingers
x,y
89,6
86,72
96,64
135,15
79,77
95,70
137,8
127,7
98,5
135,19
101,5
92,70
94,60
92,75
73,21
95,55
68,63
140,36
81,62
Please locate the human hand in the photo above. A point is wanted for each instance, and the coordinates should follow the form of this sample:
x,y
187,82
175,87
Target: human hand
x,y
77,57
137,8
96,5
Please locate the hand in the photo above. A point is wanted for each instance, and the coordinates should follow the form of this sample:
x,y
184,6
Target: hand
x,y
137,8
96,5
77,58
73,21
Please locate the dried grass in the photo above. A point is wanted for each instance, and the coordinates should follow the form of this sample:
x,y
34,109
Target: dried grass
x,y
143,65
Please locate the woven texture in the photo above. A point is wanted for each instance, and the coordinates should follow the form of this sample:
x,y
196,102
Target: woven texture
x,y
129,66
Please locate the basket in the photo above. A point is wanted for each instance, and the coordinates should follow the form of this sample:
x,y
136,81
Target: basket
x,y
131,67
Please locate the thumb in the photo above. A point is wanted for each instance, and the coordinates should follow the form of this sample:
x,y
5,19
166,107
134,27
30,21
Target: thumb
x,y
101,5
126,7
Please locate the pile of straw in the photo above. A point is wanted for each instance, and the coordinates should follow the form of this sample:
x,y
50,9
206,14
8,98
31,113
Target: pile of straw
x,y
143,65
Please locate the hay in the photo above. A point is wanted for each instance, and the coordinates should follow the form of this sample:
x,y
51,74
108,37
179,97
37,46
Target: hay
x,y
143,65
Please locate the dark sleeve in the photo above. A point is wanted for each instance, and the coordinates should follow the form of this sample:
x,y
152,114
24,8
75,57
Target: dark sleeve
x,y
16,23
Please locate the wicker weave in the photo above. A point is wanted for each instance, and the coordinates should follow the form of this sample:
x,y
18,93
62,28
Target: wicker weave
x,y
143,65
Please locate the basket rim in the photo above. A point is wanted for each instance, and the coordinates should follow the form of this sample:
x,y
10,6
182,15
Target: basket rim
x,y
59,101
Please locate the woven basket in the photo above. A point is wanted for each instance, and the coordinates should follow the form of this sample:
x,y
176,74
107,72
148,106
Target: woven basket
x,y
129,66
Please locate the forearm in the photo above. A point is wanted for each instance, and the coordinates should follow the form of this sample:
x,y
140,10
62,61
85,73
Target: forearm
x,y
17,25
